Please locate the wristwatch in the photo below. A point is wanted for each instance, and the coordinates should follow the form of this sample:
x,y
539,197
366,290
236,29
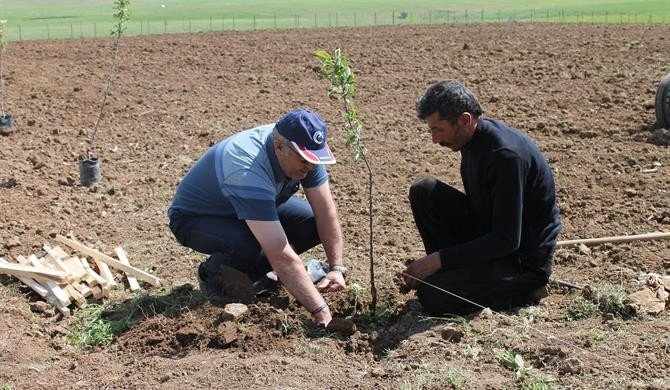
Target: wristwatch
x,y
339,268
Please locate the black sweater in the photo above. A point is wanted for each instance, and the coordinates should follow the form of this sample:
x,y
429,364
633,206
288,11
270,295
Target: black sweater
x,y
511,189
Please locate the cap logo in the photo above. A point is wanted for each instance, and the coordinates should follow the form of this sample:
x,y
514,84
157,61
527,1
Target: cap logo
x,y
318,137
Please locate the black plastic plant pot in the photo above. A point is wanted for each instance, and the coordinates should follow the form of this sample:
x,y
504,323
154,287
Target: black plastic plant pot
x,y
89,172
663,103
6,121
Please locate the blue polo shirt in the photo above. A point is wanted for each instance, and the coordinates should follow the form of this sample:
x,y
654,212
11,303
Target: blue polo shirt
x,y
240,177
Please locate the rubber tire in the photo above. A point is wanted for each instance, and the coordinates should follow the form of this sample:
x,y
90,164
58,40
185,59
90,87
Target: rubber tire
x,y
663,103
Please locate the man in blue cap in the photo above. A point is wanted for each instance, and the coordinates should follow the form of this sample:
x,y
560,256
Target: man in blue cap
x,y
237,204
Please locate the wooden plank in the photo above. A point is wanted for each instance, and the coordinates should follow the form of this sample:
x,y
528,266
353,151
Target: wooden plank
x,y
44,291
32,283
105,273
51,286
97,292
132,281
75,266
79,299
83,288
99,279
33,272
139,274
60,252
53,257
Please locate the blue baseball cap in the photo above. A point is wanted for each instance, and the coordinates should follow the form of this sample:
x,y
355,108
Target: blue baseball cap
x,y
307,133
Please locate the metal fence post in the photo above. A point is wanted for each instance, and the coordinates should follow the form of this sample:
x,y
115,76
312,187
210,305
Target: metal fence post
x,y
48,32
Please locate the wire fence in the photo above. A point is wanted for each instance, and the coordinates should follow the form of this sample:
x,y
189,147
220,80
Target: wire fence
x,y
82,29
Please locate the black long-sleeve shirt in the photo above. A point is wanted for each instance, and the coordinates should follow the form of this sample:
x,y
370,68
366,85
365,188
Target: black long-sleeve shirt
x,y
511,189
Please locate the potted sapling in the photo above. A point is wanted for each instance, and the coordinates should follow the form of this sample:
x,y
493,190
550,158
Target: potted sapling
x,y
5,119
89,169
335,68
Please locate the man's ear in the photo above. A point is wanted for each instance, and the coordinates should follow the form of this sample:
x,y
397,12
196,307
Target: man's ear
x,y
278,145
466,119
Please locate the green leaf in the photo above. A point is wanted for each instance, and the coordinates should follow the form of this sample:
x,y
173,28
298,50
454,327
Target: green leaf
x,y
323,54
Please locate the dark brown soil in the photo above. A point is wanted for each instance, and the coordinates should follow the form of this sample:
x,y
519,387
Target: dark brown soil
x,y
585,93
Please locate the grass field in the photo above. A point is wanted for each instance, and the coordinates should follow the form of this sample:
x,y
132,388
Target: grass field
x,y
42,19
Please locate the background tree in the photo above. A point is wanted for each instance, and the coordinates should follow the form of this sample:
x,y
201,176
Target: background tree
x,y
3,45
121,17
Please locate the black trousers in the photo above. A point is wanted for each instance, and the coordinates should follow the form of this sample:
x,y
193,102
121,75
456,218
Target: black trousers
x,y
444,217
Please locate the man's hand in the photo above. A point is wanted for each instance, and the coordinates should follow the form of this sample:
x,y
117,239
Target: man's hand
x,y
333,281
323,318
421,269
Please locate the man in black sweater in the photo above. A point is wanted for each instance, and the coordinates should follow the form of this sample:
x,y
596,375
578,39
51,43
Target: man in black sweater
x,y
492,245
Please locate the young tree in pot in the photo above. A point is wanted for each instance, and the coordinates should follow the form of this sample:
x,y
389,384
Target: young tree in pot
x,y
5,120
335,68
89,169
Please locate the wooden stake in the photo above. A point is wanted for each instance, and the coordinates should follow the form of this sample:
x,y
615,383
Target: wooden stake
x,y
33,272
139,274
99,279
603,240
132,281
51,286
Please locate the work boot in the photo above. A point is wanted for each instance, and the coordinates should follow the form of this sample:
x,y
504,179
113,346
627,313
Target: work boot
x,y
265,287
536,295
210,286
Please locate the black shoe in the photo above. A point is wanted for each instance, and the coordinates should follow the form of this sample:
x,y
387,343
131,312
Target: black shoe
x,y
265,287
536,295
209,287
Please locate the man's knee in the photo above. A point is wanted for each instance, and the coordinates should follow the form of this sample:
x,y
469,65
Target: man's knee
x,y
420,189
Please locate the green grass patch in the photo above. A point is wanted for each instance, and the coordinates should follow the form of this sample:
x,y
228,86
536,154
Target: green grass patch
x,y
604,298
98,325
93,330
57,19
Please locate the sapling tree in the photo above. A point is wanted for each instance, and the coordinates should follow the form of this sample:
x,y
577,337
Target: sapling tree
x,y
121,17
335,68
3,45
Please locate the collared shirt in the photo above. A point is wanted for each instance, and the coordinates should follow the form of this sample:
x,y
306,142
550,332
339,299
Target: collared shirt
x,y
240,177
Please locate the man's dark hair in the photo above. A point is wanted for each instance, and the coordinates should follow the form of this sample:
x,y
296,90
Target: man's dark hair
x,y
450,99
